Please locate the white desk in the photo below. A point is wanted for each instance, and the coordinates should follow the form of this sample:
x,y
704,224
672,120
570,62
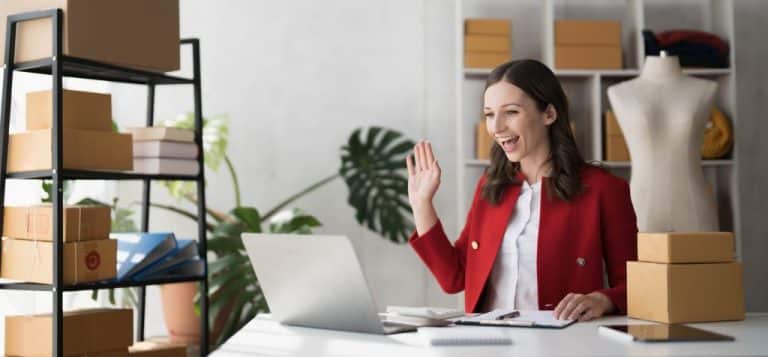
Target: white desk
x,y
264,337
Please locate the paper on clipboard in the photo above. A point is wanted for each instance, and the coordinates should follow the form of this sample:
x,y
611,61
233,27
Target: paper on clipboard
x,y
527,318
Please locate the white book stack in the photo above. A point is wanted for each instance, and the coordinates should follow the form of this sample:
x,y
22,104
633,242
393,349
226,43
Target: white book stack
x,y
165,151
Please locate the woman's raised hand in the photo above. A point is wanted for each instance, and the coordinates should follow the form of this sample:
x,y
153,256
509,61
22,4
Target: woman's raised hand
x,y
423,175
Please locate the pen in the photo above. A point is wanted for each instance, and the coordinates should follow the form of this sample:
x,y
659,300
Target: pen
x,y
505,323
509,315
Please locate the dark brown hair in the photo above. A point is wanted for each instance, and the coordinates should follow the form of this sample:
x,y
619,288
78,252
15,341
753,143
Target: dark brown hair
x,y
538,82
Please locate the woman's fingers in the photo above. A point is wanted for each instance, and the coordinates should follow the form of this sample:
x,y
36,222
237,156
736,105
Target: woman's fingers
x,y
409,165
580,309
568,309
430,156
562,304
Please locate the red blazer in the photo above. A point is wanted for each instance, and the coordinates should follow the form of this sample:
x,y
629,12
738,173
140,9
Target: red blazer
x,y
575,239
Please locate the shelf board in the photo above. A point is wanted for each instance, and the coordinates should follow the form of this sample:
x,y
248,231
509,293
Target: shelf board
x,y
82,68
98,175
630,72
99,285
612,164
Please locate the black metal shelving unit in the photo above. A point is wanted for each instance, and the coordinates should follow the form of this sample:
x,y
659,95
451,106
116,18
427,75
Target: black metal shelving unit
x,y
59,66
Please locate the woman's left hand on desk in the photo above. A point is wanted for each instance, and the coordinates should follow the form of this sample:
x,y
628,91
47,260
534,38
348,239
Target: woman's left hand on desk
x,y
583,307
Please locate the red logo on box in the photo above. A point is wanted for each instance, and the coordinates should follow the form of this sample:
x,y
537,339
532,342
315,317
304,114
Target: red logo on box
x,y
92,260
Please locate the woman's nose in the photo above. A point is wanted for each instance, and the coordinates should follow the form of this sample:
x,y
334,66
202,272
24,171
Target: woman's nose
x,y
499,125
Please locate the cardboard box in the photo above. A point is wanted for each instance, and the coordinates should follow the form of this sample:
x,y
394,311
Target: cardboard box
x,y
82,149
681,293
679,247
156,349
132,33
80,110
499,27
588,32
81,223
85,332
485,59
486,43
483,142
32,261
587,57
123,352
615,146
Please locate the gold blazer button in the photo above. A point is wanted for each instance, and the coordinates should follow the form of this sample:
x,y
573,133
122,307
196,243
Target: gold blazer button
x,y
475,246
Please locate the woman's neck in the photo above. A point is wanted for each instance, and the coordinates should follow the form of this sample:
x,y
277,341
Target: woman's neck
x,y
661,68
536,165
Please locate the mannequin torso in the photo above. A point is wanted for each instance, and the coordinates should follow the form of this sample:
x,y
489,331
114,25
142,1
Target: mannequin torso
x,y
662,114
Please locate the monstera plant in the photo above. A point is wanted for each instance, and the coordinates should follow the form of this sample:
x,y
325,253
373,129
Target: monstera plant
x,y
371,164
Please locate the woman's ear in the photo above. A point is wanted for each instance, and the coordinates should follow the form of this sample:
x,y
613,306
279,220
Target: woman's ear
x,y
550,114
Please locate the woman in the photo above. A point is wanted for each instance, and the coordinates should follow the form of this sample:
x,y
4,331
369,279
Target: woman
x,y
543,223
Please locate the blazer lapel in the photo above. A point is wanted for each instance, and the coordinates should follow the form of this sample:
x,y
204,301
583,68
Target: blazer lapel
x,y
496,219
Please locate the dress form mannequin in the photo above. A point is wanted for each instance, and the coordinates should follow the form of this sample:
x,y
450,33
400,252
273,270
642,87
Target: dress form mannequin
x,y
663,114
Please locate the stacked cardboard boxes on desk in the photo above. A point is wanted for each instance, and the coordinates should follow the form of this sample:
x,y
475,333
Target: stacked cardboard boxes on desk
x,y
89,143
486,43
164,150
581,44
685,277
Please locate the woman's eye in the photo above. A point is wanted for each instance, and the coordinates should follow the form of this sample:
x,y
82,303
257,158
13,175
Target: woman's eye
x,y
511,112
488,115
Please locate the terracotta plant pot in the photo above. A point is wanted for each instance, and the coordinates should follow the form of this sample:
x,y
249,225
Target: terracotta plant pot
x,y
181,320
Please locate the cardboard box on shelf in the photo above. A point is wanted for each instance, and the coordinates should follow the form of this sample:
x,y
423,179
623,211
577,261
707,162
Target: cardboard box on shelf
x,y
157,349
81,223
32,261
588,32
123,352
80,110
82,149
680,293
500,27
615,146
587,57
486,43
483,141
485,59
133,33
91,332
680,247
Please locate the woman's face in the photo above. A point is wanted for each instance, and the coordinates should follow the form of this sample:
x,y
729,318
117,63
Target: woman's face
x,y
515,122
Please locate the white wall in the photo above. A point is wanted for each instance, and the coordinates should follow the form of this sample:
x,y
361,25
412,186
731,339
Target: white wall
x,y
295,79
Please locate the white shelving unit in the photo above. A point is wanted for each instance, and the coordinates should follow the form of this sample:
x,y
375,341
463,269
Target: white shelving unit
x,y
533,37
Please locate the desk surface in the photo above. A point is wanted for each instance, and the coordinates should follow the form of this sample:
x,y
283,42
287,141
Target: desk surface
x,y
264,337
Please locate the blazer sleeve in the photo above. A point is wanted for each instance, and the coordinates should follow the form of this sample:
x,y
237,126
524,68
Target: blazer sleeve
x,y
619,235
446,261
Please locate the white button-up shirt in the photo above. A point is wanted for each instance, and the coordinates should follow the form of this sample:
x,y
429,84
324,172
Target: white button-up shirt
x,y
513,283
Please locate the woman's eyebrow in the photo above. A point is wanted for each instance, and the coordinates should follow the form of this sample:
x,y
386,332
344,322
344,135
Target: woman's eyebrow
x,y
505,105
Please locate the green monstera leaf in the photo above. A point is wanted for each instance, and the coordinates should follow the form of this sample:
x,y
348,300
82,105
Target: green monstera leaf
x,y
372,165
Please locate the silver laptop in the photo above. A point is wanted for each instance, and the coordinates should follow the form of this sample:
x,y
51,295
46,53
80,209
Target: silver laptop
x,y
315,281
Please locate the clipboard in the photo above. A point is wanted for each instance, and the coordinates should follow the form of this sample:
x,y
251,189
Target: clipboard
x,y
526,318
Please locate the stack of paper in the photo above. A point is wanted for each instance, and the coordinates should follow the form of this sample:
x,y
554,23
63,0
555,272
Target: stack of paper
x,y
463,335
163,150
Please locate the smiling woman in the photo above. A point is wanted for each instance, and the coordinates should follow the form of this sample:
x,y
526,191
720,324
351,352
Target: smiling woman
x,y
544,227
